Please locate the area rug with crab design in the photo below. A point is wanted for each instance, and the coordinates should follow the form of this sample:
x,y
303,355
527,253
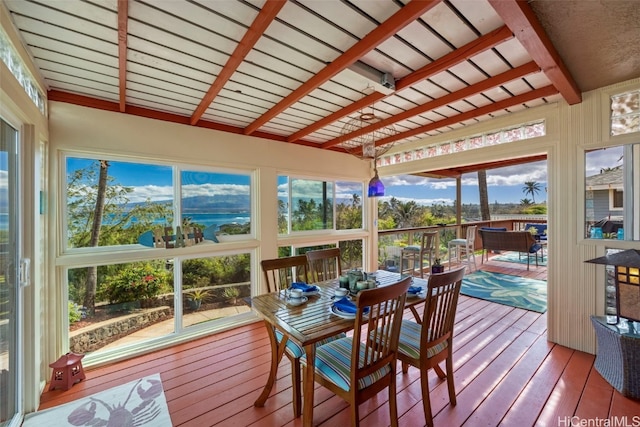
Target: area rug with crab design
x,y
137,403
515,291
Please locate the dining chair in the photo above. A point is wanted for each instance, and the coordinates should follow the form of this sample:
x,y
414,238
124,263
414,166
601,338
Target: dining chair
x,y
465,247
357,370
418,253
324,264
279,273
426,344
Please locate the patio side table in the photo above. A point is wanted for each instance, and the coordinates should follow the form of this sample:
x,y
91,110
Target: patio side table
x,y
618,355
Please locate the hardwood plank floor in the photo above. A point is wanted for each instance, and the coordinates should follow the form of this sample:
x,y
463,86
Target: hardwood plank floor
x,y
506,373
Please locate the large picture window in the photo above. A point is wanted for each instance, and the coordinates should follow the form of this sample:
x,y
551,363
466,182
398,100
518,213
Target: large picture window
x,y
145,263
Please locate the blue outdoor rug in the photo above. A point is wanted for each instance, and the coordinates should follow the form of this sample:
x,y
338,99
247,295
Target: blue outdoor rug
x,y
522,259
515,291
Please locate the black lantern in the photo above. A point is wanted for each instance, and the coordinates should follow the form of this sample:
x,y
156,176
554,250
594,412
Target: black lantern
x,y
627,281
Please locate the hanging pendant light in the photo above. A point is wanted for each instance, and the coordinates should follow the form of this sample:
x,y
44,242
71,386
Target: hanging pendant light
x,y
364,146
376,187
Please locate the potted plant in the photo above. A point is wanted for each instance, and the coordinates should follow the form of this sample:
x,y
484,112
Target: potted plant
x,y
437,267
196,296
231,294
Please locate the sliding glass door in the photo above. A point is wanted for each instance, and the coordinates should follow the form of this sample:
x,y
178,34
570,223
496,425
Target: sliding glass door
x,y
10,290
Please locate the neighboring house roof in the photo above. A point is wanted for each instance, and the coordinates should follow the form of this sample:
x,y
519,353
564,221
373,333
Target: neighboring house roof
x,y
605,180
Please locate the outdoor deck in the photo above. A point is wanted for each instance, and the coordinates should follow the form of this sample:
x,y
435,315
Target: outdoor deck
x,y
506,373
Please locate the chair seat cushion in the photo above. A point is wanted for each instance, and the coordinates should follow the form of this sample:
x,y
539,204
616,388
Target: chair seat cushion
x,y
411,248
296,351
333,362
535,248
458,242
409,342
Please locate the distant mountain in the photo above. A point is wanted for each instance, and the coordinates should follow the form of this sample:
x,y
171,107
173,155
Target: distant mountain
x,y
207,204
216,203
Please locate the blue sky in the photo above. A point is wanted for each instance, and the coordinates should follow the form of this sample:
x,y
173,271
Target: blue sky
x,y
505,185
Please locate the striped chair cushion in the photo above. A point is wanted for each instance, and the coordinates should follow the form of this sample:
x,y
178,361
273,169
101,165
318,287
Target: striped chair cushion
x,y
333,362
409,342
296,351
411,248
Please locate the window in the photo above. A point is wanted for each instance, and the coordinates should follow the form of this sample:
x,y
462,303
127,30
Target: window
x,y
126,198
617,198
306,205
625,113
220,202
143,237
139,198
612,192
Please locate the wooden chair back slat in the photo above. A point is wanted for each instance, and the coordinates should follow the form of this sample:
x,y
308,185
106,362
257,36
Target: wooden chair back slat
x,y
279,273
324,264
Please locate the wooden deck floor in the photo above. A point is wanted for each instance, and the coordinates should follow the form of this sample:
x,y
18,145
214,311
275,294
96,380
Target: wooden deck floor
x,y
506,373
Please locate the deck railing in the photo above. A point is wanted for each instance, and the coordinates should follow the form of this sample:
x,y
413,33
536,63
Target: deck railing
x,y
391,242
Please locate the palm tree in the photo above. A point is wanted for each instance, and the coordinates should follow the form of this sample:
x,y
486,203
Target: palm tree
x,y
531,187
485,213
404,212
525,202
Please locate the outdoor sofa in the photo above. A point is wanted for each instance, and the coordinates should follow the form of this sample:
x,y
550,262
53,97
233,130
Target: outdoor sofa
x,y
518,241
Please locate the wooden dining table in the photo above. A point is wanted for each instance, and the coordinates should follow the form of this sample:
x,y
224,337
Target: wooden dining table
x,y
309,323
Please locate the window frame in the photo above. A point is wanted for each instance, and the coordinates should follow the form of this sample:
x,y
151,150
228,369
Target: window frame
x,y
290,232
177,169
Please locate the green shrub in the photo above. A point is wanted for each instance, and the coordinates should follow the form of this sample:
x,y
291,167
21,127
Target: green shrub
x,y
134,283
74,313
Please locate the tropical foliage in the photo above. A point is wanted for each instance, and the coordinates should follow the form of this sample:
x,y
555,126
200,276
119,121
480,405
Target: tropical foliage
x,y
532,188
137,282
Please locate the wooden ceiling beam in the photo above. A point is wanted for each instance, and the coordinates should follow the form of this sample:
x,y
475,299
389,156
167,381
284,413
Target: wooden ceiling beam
x,y
480,111
403,17
123,20
259,25
478,45
465,52
519,17
468,91
333,117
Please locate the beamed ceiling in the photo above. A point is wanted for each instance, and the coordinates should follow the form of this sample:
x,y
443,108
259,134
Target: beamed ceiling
x,y
284,70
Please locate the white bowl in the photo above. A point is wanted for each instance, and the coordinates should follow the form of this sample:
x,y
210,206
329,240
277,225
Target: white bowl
x,y
341,292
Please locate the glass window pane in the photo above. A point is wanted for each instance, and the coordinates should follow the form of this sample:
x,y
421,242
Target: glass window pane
x,y
283,204
219,202
109,306
215,287
127,199
312,205
611,192
348,205
351,254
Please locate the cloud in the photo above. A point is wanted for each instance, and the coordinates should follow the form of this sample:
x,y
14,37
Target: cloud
x,y
158,193
421,202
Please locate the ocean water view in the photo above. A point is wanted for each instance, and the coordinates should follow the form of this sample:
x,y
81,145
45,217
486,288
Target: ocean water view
x,y
208,219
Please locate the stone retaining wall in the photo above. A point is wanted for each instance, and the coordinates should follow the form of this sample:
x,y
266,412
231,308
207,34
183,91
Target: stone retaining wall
x,y
96,336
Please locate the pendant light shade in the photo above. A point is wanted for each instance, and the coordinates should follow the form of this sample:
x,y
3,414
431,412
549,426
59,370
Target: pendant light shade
x,y
376,187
